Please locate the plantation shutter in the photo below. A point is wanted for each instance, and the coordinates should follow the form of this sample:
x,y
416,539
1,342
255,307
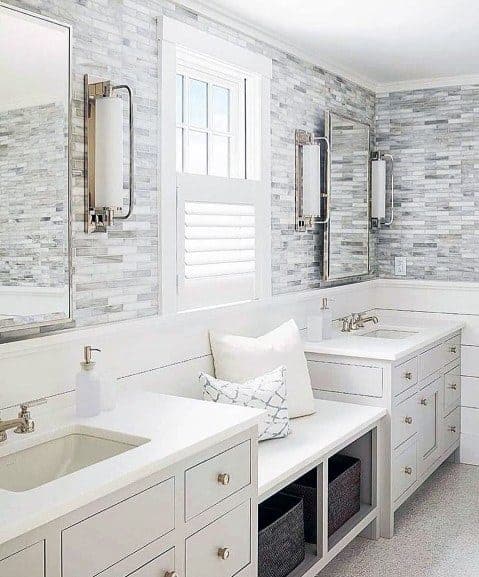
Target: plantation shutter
x,y
217,244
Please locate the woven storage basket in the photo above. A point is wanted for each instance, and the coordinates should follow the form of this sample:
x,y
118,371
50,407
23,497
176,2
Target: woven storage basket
x,y
344,490
281,535
305,487
344,480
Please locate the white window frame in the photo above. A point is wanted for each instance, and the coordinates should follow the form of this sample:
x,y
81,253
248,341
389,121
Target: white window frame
x,y
175,38
231,79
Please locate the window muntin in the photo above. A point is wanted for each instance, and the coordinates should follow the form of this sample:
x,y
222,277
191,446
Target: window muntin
x,y
210,123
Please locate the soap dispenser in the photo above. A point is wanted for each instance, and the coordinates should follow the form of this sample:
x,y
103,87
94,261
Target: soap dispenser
x,y
88,387
320,326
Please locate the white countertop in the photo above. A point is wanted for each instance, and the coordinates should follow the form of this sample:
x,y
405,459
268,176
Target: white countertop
x,y
425,332
311,439
177,428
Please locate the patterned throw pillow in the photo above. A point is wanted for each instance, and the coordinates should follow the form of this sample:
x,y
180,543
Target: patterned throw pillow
x,y
267,392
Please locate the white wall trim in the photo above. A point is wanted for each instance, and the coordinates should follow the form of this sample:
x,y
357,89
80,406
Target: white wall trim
x,y
427,284
167,192
181,34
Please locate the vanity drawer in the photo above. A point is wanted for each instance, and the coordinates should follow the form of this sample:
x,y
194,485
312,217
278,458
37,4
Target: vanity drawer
x,y
347,378
159,567
404,421
216,479
451,428
404,470
452,349
432,360
98,542
452,389
404,376
223,548
440,355
28,562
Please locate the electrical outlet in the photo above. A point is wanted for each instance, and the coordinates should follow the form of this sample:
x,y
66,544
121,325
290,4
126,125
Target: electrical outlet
x,y
400,266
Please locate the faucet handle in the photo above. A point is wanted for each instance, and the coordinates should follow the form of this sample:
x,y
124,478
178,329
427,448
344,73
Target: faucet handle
x,y
28,426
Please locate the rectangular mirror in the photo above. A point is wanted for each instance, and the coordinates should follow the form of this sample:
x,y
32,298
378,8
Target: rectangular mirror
x,y
346,239
34,170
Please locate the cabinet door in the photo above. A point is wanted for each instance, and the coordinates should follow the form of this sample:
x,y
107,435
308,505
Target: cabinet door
x,y
26,563
430,413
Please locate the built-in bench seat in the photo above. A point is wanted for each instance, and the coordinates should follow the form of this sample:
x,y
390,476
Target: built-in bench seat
x,y
335,427
313,439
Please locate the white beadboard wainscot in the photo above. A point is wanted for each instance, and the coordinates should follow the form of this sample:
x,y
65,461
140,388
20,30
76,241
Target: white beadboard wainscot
x,y
163,354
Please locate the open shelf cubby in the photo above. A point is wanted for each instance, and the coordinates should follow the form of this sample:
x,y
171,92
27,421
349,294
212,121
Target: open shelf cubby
x,y
363,449
311,483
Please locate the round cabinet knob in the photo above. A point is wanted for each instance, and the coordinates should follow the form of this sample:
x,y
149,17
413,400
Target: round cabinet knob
x,y
453,387
452,429
453,349
424,402
408,376
224,553
171,574
224,479
408,420
408,470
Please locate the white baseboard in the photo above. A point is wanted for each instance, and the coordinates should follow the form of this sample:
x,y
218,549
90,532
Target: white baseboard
x,y
470,449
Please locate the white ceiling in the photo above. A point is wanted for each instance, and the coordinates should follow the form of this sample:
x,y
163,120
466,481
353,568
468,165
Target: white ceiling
x,y
379,43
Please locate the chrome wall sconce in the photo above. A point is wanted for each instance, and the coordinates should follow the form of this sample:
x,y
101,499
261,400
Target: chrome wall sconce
x,y
312,203
379,169
104,160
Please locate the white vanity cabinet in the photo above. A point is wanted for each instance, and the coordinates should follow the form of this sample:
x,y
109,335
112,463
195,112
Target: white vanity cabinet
x,y
422,392
196,518
28,562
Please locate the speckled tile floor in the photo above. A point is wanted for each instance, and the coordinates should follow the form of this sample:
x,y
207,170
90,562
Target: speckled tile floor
x,y
437,533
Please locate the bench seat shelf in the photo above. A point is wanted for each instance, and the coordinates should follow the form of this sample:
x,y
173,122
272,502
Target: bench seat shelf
x,y
336,427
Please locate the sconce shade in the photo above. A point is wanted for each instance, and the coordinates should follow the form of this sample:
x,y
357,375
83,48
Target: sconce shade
x,y
109,153
378,189
312,180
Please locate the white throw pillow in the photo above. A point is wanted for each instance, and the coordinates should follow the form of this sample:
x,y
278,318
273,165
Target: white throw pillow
x,y
238,359
267,392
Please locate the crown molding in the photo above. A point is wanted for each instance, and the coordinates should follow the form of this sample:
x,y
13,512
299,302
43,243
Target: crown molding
x,y
383,89
213,12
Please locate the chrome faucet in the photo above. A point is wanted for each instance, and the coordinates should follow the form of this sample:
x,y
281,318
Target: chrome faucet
x,y
356,321
23,423
360,320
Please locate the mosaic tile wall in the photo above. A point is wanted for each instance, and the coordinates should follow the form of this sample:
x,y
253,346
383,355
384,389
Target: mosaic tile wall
x,y
434,138
300,95
33,206
116,275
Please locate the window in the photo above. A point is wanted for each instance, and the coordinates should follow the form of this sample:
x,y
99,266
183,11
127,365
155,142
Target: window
x,y
210,118
216,228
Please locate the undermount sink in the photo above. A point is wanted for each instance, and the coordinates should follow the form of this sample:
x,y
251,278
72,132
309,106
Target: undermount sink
x,y
76,449
389,334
